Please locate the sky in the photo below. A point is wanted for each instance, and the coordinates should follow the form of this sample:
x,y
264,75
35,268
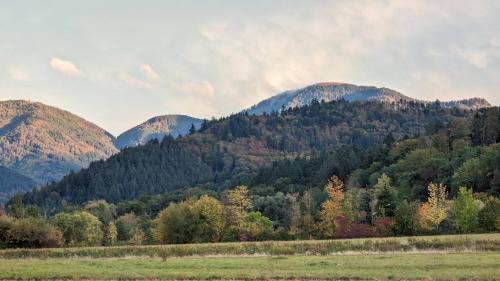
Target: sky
x,y
119,63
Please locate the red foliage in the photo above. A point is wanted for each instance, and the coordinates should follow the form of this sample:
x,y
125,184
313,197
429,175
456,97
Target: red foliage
x,y
344,229
384,226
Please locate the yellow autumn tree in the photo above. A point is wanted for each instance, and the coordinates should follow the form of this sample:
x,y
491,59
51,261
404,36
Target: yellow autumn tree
x,y
331,209
238,202
433,212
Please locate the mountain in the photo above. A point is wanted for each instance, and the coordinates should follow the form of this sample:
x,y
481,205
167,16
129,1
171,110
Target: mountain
x,y
227,152
157,128
46,143
334,91
12,183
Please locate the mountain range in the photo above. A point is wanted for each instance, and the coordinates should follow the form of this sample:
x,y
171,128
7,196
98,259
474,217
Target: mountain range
x,y
334,91
43,143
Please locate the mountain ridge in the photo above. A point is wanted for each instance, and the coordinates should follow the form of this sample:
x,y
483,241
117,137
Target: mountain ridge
x,y
157,128
45,142
329,91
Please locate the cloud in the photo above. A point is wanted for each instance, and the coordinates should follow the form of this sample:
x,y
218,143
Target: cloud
x,y
131,80
65,66
149,72
202,89
18,73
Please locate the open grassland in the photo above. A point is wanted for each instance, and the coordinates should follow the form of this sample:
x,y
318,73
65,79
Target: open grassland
x,y
448,243
428,266
453,257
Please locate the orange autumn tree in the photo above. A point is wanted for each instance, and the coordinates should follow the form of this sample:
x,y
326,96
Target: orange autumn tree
x,y
331,209
433,212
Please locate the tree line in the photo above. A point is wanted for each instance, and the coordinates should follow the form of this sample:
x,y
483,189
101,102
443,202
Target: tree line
x,y
238,216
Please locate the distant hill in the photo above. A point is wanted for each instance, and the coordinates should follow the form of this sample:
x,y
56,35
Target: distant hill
x,y
157,128
12,183
334,91
46,143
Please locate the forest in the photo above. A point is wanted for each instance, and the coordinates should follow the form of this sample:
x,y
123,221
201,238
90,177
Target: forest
x,y
329,170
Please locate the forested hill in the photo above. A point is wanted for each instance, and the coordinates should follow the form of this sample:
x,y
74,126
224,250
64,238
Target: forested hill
x,y
228,151
12,183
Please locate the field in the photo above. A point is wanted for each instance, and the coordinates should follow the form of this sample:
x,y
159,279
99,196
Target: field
x,y
430,258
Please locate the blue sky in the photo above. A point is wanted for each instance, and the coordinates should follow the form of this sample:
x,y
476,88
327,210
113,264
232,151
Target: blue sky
x,y
118,63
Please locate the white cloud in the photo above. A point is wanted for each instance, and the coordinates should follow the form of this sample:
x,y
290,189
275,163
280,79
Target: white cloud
x,y
131,80
18,73
149,72
201,89
65,66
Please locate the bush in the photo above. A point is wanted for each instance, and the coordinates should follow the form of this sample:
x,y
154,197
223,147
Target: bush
x,y
29,233
489,216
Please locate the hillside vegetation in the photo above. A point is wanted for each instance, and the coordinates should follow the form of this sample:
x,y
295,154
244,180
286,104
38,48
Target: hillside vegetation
x,y
230,151
46,143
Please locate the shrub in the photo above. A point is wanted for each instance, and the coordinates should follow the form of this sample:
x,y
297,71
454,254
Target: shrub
x,y
489,216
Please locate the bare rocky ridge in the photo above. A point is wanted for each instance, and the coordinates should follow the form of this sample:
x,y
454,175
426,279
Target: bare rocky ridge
x,y
45,143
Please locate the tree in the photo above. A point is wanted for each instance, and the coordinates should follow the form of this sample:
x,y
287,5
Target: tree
x,y
192,129
210,213
176,224
238,202
331,208
304,223
255,227
465,210
433,212
129,229
80,228
104,211
384,203
405,218
489,216
110,234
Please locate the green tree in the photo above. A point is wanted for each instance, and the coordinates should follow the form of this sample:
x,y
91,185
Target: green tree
x,y
80,228
129,229
176,224
489,216
385,201
406,219
465,210
256,227
104,211
210,214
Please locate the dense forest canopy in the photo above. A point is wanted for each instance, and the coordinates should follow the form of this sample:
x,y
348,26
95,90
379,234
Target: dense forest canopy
x,y
297,150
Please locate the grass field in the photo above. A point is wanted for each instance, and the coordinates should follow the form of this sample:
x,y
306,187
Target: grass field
x,y
469,257
435,266
476,242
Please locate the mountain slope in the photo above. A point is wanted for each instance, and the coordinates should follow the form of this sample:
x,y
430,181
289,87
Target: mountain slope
x,y
225,152
157,128
45,143
334,91
12,183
